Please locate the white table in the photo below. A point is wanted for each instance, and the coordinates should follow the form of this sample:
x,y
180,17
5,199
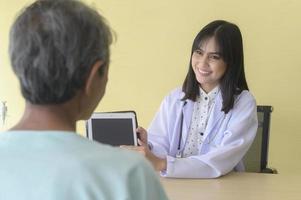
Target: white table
x,y
235,186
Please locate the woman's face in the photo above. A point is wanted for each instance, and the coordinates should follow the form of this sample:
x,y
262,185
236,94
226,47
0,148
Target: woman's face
x,y
208,65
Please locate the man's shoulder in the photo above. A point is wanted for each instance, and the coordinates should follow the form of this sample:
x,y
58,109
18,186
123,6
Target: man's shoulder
x,y
98,153
90,167
97,156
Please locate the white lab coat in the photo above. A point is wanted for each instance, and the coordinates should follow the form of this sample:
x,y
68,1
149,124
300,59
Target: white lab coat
x,y
226,139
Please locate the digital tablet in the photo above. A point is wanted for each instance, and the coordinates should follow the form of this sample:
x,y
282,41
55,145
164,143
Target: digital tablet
x,y
114,128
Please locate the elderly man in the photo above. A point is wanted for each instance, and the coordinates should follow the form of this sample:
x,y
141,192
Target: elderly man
x,y
59,51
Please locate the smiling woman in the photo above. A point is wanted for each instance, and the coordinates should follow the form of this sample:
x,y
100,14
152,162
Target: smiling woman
x,y
203,129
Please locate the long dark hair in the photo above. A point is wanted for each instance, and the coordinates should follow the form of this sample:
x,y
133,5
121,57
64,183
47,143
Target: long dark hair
x,y
229,39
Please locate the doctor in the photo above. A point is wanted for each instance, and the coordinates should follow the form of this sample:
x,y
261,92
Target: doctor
x,y
204,129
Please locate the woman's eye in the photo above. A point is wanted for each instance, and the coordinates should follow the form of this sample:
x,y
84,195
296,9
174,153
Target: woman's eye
x,y
198,52
214,57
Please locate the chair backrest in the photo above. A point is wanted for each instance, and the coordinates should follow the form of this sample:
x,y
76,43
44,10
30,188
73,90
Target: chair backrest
x,y
256,158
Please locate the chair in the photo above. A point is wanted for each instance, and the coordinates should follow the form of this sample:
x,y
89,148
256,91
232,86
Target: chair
x,y
256,158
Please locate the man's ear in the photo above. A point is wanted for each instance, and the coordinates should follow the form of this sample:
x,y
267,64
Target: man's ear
x,y
91,77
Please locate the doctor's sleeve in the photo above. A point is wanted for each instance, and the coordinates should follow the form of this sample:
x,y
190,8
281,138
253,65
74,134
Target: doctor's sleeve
x,y
238,135
158,131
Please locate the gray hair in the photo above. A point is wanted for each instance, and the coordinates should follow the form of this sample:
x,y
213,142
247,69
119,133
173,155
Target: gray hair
x,y
53,45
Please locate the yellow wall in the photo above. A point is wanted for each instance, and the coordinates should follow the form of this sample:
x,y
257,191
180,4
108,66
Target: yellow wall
x,y
152,51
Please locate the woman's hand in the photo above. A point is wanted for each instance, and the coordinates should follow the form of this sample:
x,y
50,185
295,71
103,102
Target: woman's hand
x,y
142,136
158,163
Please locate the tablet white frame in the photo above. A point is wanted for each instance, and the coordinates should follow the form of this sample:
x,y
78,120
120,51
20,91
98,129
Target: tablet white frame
x,y
113,115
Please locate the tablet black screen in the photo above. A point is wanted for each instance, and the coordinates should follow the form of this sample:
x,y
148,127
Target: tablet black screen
x,y
115,131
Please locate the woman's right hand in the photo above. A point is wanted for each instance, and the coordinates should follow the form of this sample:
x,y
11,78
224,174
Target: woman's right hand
x,y
142,136
158,163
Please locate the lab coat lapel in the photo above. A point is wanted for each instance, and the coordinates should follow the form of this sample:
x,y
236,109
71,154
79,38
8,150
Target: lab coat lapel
x,y
215,116
187,112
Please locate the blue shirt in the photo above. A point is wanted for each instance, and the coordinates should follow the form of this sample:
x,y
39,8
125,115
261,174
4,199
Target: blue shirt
x,y
58,165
